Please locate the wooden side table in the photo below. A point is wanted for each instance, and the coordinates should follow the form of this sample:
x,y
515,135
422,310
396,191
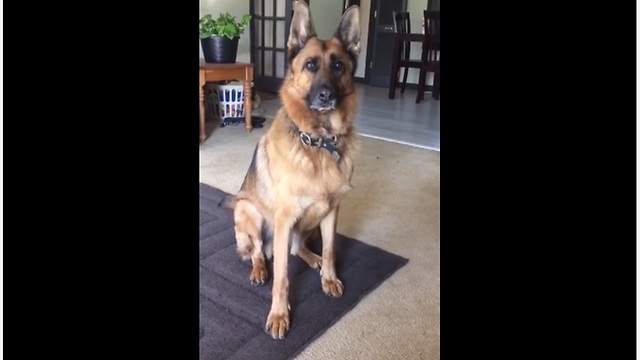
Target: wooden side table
x,y
217,72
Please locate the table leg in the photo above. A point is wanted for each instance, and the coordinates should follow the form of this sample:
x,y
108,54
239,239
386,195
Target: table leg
x,y
202,83
247,100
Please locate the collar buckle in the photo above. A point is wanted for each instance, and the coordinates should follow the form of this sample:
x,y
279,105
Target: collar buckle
x,y
305,138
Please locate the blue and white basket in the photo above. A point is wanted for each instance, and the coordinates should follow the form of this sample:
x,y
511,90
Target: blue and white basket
x,y
228,100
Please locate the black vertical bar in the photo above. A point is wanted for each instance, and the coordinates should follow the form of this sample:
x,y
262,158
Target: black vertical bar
x,y
263,42
273,40
288,13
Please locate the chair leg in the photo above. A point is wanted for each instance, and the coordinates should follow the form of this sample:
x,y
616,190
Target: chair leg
x,y
436,86
393,82
404,80
421,85
424,89
395,65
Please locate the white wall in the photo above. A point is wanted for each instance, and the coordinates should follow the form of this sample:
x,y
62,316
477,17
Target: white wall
x,y
326,15
365,5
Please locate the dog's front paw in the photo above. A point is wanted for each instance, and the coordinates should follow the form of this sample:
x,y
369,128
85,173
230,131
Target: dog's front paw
x,y
332,286
277,324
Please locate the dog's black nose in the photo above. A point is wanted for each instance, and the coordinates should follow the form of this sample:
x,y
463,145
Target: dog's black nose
x,y
326,94
323,98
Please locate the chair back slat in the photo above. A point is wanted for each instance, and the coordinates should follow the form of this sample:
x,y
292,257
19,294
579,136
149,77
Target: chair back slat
x,y
402,25
432,34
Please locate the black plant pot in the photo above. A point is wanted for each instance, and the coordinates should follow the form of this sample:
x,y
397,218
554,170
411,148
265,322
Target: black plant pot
x,y
220,49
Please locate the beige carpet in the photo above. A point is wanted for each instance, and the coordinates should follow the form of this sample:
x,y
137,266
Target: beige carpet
x,y
395,205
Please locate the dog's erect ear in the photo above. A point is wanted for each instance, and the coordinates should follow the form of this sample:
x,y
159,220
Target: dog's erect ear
x,y
301,28
348,31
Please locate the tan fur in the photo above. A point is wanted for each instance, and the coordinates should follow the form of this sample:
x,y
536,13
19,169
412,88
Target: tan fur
x,y
294,190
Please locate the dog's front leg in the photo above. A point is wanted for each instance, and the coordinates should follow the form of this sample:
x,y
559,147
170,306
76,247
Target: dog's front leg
x,y
278,319
331,285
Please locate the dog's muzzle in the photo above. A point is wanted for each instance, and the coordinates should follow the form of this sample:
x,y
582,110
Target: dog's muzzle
x,y
323,98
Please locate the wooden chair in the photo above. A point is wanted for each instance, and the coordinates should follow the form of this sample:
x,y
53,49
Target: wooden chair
x,y
430,50
398,61
402,25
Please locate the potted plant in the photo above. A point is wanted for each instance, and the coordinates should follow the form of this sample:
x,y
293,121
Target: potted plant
x,y
219,37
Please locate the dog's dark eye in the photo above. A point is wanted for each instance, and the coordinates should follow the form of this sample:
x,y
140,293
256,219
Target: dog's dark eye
x,y
338,66
311,65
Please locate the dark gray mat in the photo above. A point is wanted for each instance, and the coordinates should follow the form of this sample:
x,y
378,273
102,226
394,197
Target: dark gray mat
x,y
233,312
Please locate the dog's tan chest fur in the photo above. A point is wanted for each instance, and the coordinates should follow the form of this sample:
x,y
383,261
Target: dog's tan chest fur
x,y
312,182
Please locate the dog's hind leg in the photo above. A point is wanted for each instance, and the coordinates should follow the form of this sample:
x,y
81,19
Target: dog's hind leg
x,y
248,227
314,260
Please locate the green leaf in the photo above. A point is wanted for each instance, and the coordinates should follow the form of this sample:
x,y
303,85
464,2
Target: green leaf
x,y
231,29
224,25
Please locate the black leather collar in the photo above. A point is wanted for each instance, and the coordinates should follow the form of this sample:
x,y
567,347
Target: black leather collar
x,y
328,143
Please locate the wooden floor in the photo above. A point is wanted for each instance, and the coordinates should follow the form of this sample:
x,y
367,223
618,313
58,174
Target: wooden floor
x,y
399,120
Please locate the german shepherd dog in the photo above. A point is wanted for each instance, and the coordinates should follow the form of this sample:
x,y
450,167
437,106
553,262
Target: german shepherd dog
x,y
302,167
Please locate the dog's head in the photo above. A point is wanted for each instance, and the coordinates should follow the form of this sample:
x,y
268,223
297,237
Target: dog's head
x,y
321,72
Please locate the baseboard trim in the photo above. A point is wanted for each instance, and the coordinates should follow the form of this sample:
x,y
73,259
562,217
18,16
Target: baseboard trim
x,y
412,86
361,80
415,87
